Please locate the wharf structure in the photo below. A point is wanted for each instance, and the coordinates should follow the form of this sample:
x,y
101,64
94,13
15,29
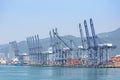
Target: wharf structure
x,y
37,57
92,52
15,55
13,51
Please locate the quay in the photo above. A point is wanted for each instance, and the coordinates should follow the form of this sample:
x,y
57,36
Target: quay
x,y
92,52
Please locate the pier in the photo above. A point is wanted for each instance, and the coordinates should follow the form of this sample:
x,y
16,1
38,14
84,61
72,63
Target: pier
x,y
91,52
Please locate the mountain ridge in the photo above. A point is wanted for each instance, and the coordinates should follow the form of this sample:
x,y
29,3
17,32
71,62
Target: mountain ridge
x,y
110,37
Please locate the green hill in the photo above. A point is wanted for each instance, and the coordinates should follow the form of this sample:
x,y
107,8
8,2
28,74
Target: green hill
x,y
109,37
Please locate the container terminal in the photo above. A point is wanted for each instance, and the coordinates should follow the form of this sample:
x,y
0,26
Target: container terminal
x,y
92,52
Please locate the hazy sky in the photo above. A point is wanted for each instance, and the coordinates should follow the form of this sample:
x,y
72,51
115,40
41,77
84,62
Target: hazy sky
x,y
22,18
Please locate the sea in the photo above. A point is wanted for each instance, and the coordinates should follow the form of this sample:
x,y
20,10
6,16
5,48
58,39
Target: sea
x,y
10,72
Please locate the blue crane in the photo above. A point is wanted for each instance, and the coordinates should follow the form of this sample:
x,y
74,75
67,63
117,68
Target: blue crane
x,y
94,37
81,34
87,34
89,47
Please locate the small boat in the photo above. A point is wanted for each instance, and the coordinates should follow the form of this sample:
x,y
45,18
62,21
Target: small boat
x,y
16,62
2,61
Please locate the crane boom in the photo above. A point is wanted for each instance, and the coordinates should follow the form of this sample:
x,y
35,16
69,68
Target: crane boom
x,y
50,37
87,34
81,34
62,40
93,32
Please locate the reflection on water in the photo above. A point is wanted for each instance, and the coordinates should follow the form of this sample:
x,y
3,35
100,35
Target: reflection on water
x,y
57,73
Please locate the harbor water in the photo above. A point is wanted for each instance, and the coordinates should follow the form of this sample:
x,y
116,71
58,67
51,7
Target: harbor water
x,y
8,72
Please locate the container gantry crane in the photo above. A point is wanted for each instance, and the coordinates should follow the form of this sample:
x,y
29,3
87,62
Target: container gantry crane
x,y
89,44
94,37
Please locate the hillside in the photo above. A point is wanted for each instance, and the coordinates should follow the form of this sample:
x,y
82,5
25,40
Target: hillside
x,y
112,37
109,37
